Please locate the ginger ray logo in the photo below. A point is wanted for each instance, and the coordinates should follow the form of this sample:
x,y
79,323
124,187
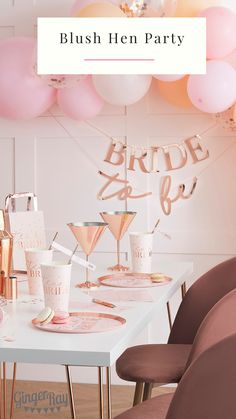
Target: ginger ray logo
x,y
44,402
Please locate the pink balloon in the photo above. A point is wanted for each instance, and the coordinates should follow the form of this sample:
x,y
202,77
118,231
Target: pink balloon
x,y
23,95
221,31
169,77
81,101
215,91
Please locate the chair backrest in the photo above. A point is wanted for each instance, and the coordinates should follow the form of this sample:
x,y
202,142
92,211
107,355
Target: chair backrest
x,y
207,388
199,300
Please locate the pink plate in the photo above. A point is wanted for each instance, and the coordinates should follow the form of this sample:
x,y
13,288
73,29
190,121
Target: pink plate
x,y
132,280
85,322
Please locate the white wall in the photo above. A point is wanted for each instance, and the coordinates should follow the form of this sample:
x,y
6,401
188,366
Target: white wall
x,y
38,156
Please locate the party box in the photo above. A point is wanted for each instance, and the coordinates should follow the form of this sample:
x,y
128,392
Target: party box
x,y
115,45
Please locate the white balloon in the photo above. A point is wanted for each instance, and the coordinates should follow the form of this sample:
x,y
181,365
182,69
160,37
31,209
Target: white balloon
x,y
168,77
122,90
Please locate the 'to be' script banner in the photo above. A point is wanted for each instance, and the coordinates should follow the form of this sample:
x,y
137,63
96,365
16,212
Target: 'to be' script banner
x,y
121,46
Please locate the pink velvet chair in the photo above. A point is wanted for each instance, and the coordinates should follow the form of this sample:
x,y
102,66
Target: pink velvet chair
x,y
155,364
207,387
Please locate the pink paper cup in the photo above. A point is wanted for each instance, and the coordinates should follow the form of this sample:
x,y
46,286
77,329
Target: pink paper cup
x,y
34,258
141,252
56,278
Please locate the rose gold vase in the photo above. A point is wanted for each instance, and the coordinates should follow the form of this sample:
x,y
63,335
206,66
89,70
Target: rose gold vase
x,y
118,223
87,235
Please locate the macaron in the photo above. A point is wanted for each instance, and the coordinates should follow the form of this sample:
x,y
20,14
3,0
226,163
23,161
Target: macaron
x,y
158,277
44,317
49,318
61,317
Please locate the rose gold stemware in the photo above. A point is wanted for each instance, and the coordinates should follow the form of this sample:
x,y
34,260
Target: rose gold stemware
x,y
87,235
118,223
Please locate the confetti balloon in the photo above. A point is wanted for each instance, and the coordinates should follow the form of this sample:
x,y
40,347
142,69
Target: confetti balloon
x,y
148,8
227,119
61,81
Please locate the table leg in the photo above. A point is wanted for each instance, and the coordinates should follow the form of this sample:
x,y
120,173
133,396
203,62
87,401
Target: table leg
x,y
100,392
183,290
185,287
169,314
109,407
4,392
13,390
70,389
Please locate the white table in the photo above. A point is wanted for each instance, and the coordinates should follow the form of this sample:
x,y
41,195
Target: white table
x,y
31,345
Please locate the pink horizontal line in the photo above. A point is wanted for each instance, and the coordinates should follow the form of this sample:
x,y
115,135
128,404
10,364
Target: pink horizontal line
x,y
119,59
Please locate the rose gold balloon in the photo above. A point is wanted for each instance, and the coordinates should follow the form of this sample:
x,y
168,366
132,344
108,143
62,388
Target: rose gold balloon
x,y
148,8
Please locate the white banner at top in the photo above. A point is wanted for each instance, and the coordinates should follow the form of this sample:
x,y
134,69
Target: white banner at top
x,y
121,46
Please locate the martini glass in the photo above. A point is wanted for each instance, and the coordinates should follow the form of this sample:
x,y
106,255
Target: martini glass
x,y
87,235
118,223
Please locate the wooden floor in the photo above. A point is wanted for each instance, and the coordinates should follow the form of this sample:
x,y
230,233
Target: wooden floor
x,y
52,398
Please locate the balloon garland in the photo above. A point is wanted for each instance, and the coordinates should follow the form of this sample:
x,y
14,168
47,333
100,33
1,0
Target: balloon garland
x,y
25,95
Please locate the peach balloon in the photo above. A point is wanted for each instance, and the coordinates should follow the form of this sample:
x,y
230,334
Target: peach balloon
x,y
100,10
190,8
168,77
175,92
80,4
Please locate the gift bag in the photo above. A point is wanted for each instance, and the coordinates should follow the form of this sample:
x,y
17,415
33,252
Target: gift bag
x,y
27,227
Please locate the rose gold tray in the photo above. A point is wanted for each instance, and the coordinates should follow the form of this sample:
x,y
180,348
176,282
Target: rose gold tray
x,y
132,280
85,322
